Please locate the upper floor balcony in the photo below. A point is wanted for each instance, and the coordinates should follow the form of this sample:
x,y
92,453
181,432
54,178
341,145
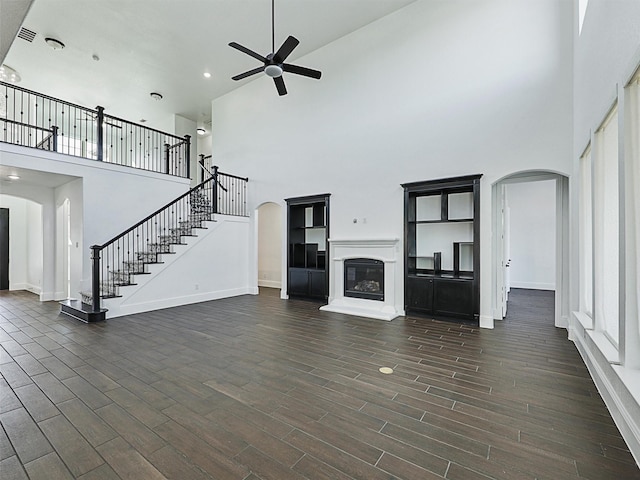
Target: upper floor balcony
x,y
34,120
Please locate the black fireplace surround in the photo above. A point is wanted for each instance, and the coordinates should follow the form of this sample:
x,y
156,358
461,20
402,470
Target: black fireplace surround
x,y
364,278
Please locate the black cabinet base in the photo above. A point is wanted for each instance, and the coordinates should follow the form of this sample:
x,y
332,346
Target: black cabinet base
x,y
307,282
473,320
443,298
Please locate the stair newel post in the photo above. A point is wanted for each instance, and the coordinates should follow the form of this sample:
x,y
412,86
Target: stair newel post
x,y
95,277
54,138
187,147
215,189
166,156
201,163
100,133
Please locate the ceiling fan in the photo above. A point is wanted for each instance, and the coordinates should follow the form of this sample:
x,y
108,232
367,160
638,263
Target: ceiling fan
x,y
274,65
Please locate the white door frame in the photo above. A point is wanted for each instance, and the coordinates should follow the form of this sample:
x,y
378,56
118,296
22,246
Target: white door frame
x,y
562,242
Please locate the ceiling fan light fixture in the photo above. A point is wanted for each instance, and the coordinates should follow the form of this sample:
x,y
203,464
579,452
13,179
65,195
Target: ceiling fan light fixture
x,y
273,70
54,43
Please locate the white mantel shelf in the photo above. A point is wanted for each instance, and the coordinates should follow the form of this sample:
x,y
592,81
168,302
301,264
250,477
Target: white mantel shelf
x,y
384,249
364,241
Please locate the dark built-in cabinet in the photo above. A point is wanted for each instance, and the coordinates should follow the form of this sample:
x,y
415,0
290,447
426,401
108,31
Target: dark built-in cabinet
x,y
442,247
307,235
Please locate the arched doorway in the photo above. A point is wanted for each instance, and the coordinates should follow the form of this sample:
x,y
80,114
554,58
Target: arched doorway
x,y
500,242
270,247
25,244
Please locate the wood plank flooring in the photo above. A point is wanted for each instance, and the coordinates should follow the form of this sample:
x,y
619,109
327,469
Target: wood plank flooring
x,y
256,387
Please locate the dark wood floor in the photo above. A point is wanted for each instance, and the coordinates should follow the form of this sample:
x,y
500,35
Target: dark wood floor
x,y
256,387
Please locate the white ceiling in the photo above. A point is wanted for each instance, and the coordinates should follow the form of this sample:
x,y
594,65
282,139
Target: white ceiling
x,y
165,46
33,178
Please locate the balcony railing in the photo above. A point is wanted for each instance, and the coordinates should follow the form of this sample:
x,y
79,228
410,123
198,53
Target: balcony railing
x,y
35,120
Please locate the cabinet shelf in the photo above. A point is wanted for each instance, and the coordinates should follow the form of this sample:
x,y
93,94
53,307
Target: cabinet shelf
x,y
442,267
307,228
460,276
453,220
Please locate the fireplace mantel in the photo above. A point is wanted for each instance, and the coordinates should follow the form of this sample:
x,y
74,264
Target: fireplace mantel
x,y
384,249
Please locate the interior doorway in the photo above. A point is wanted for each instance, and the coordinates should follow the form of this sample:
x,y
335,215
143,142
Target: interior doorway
x,y
4,249
540,213
270,245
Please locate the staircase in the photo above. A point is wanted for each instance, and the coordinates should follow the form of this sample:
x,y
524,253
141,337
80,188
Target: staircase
x,y
118,263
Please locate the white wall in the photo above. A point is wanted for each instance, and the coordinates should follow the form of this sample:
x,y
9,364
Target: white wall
x,y
270,245
35,242
213,265
532,234
74,192
183,126
105,200
437,89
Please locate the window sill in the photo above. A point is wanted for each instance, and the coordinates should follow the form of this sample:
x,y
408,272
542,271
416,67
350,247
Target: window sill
x,y
631,379
608,350
585,320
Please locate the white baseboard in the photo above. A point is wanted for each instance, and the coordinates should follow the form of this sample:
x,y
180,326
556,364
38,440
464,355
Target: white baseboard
x,y
51,296
612,382
30,287
116,310
486,321
269,283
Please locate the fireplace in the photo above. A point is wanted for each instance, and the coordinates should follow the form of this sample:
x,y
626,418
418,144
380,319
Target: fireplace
x,y
373,289
364,278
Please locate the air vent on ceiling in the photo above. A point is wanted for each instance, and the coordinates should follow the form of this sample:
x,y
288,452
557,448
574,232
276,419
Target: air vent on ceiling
x,y
26,34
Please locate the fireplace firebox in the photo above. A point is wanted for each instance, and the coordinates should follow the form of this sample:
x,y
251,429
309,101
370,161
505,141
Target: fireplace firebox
x,y
364,278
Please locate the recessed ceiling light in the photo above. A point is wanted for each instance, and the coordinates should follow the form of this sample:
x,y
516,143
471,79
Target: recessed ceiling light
x,y
54,43
8,74
13,177
201,131
156,95
207,75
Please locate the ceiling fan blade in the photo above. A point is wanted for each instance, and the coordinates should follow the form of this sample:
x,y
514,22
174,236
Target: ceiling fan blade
x,y
248,74
285,49
237,46
304,71
279,81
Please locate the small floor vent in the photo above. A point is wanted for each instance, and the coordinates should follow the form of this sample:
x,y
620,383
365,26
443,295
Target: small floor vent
x,y
26,34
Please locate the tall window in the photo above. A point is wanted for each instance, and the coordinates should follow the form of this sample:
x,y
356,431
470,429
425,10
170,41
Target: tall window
x,y
606,207
582,10
586,233
632,176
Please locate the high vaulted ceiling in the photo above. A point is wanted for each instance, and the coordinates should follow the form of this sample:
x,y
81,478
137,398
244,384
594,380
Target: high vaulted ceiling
x,y
165,46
